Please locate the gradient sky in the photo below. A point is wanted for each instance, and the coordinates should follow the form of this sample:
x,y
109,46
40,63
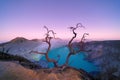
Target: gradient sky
x,y
26,18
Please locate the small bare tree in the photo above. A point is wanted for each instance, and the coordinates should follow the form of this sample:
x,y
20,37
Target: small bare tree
x,y
48,39
71,49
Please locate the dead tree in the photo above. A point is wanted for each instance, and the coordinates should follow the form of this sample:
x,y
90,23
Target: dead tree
x,y
48,39
71,49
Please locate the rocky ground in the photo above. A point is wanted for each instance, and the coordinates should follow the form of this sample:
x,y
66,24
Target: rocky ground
x,y
106,55
13,71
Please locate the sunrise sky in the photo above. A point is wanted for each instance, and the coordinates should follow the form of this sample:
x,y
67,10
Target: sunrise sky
x,y
26,18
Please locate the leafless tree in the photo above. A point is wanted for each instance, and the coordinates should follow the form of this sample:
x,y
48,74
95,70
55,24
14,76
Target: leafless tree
x,y
48,39
71,49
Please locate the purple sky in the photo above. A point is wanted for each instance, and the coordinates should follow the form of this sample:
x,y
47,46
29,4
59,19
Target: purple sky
x,y
26,18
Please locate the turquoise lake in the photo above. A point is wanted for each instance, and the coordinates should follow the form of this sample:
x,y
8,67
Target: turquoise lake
x,y
77,61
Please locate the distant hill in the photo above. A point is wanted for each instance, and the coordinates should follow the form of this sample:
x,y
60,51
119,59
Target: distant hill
x,y
19,39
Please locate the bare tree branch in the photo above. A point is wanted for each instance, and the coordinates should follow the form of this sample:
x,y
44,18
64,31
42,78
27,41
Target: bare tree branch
x,y
83,37
82,41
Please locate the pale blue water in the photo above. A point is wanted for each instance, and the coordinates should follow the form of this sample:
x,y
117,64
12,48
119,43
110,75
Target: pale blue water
x,y
77,61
